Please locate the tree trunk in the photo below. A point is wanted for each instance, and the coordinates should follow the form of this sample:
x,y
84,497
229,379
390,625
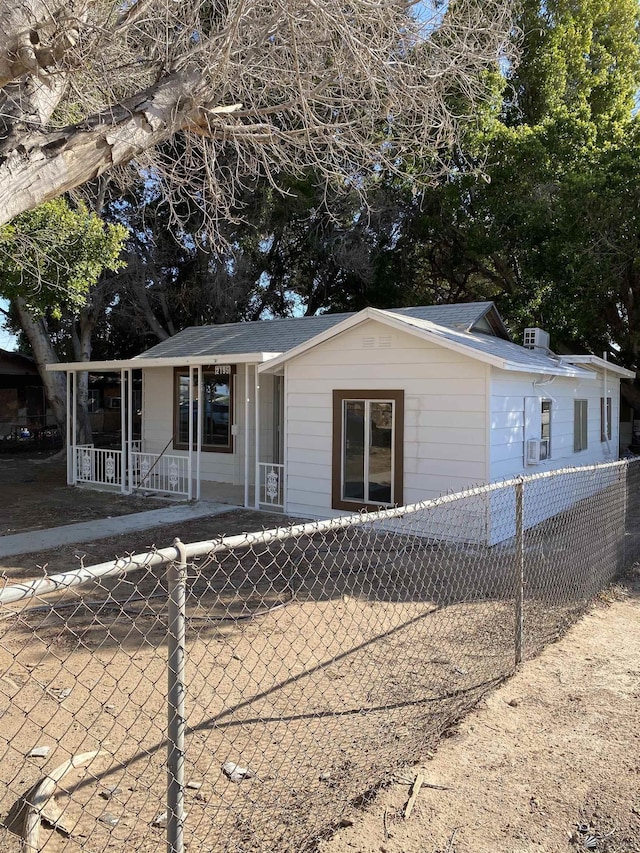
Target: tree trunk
x,y
43,352
81,333
43,165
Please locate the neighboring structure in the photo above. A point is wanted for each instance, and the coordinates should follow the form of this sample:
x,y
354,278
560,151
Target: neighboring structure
x,y
324,415
23,406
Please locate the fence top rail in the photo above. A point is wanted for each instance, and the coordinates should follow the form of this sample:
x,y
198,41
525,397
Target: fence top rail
x,y
13,593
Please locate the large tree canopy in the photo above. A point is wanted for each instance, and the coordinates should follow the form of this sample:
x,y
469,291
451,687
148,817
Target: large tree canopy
x,y
51,260
202,94
541,213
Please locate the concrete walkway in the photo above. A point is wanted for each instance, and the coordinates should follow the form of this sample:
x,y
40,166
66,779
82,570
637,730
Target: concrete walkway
x,y
85,531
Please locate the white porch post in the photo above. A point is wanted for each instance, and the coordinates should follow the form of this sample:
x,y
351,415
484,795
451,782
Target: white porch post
x,y
130,431
200,422
71,462
246,435
190,464
285,442
257,436
123,431
74,423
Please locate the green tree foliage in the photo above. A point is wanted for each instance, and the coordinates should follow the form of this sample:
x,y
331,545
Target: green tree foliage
x,y
579,58
51,260
51,256
541,213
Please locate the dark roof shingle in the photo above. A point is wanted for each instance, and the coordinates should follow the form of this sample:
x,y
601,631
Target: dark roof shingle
x,y
281,335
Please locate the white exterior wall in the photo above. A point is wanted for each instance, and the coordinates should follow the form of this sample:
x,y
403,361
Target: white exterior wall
x,y
157,427
509,430
445,416
508,393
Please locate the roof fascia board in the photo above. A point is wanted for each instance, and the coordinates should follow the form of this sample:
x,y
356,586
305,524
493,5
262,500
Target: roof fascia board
x,y
576,372
139,363
388,318
599,364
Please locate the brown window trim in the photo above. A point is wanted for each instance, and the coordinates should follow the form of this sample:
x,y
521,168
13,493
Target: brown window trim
x,y
206,448
337,501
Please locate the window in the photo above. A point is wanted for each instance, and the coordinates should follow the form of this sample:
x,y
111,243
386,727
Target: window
x,y
538,418
545,429
368,434
217,410
605,418
579,425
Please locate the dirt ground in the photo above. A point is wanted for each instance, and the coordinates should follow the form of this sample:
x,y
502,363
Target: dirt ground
x,y
321,697
34,496
548,762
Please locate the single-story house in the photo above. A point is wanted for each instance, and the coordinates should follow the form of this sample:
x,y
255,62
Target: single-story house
x,y
318,416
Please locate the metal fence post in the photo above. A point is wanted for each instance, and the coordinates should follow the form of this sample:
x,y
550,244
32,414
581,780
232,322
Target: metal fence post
x,y
519,572
176,581
625,516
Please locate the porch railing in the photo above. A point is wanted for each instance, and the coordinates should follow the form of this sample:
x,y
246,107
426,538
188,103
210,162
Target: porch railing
x,y
272,484
98,465
160,473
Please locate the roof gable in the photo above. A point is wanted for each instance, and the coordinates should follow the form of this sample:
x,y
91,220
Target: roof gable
x,y
285,334
490,349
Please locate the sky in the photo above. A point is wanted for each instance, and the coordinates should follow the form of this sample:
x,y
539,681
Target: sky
x,y
7,341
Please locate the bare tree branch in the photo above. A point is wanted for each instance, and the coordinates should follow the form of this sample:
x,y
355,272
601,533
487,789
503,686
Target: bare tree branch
x,y
204,96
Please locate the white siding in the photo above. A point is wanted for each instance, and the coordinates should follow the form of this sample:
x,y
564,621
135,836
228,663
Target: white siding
x,y
445,441
544,498
508,394
157,406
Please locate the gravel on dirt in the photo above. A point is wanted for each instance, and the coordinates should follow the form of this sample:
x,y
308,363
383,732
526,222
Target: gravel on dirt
x,y
547,763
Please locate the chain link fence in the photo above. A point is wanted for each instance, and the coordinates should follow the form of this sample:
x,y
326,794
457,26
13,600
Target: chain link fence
x,y
240,694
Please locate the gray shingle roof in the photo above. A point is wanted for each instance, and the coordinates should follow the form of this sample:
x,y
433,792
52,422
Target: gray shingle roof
x,y
282,335
234,338
461,316
515,355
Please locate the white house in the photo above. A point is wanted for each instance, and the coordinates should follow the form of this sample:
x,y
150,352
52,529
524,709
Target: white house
x,y
319,416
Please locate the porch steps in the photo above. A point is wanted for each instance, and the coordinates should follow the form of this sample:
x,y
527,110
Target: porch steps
x,y
86,531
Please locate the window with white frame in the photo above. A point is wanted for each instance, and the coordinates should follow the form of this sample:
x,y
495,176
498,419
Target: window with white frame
x,y
580,423
545,429
537,429
605,418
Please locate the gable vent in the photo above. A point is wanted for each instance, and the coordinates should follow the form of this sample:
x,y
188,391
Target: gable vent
x,y
383,342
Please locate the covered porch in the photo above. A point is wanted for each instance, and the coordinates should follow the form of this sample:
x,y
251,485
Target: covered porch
x,y
209,429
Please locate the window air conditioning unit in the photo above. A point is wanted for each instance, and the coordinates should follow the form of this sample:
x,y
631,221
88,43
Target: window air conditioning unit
x,y
537,450
536,339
